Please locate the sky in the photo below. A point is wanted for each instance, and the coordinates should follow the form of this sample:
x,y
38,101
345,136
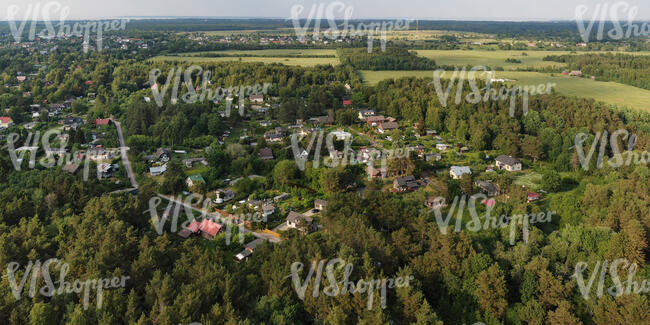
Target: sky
x,y
512,10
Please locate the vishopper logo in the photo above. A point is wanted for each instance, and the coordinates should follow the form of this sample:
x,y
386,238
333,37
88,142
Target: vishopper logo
x,y
329,11
35,13
478,223
31,145
603,13
202,92
173,210
341,158
347,286
628,287
618,159
488,93
49,289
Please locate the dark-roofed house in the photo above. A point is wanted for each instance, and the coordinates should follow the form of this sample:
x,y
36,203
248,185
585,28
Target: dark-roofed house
x,y
298,221
71,168
376,172
366,114
488,187
266,154
387,126
163,154
508,163
406,184
320,204
375,120
249,249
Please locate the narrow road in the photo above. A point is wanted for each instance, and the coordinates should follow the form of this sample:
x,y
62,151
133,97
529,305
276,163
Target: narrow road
x,y
262,235
124,153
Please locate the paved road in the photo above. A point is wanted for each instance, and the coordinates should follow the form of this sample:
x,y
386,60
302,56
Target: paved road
x,y
124,153
262,235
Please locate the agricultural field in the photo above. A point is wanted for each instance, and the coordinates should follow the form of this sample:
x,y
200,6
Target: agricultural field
x,y
498,58
607,92
264,56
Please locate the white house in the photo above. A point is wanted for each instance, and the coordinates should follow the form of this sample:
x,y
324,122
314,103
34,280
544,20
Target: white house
x,y
456,172
442,146
508,163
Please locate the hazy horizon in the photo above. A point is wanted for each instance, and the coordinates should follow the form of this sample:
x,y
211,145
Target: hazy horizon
x,y
498,10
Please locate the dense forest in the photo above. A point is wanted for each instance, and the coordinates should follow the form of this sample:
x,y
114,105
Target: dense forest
x,y
629,69
391,59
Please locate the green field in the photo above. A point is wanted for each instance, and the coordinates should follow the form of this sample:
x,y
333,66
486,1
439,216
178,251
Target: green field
x,y
265,56
498,58
608,92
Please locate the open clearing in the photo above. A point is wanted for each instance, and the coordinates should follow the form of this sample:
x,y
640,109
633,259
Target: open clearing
x,y
495,59
264,56
608,92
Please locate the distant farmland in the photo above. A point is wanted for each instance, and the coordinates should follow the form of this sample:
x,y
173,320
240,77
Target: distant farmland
x,y
284,56
608,92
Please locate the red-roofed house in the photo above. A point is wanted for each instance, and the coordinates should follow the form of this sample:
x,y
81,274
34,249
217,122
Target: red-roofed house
x,y
102,121
532,196
209,229
193,228
347,102
6,121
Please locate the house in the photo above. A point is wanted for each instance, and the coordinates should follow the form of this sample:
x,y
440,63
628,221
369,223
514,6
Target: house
x,y
435,203
163,154
105,170
99,154
209,229
266,154
457,172
103,121
376,172
363,115
158,170
224,196
257,98
72,123
341,135
375,120
532,196
194,180
347,102
387,126
189,163
432,156
488,187
405,184
442,146
320,204
71,168
273,137
324,120
249,249
6,122
575,73
508,163
281,197
303,223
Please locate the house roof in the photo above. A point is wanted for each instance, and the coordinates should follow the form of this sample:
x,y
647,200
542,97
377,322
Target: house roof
x,y
71,168
460,170
102,121
488,186
388,125
295,217
6,120
508,160
197,178
320,202
210,227
404,181
158,169
266,153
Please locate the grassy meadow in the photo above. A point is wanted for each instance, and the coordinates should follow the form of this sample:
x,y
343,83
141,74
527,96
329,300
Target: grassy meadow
x,y
264,56
608,92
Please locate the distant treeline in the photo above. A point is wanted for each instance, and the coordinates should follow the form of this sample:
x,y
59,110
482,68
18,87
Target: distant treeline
x,y
632,70
391,59
227,55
